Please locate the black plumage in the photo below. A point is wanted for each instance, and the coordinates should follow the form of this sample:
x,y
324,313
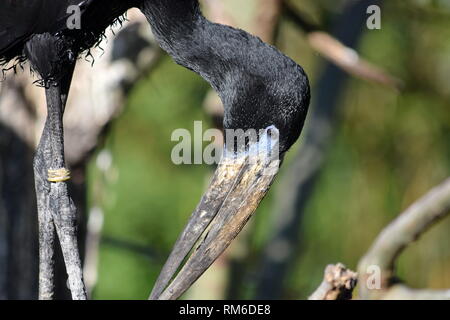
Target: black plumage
x,y
37,30
21,19
259,86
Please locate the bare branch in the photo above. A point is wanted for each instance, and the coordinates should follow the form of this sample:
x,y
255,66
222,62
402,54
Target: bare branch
x,y
404,230
217,12
341,55
267,18
402,292
338,284
350,60
263,24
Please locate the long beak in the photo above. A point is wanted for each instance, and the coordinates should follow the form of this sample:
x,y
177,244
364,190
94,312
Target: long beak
x,y
239,184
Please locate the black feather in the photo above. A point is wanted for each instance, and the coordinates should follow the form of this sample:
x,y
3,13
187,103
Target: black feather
x,y
21,21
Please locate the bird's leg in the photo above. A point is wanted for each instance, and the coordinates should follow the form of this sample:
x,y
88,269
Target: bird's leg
x,y
60,204
45,221
43,161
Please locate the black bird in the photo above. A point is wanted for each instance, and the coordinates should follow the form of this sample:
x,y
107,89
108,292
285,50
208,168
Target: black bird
x,y
261,89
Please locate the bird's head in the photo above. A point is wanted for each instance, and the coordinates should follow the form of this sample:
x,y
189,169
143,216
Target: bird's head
x,y
266,97
272,96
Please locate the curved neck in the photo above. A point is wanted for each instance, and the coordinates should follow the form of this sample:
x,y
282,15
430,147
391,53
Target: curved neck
x,y
189,38
173,22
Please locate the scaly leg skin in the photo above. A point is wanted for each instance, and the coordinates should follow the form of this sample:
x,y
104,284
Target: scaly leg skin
x,y
61,206
55,207
45,221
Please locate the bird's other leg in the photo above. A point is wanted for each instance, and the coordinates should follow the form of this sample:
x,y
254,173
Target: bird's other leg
x,y
60,204
45,221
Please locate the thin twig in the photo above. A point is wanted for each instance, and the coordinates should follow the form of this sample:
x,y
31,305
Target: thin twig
x,y
217,12
341,55
350,60
266,22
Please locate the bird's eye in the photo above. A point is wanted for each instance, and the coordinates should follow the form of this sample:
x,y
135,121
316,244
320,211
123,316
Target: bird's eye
x,y
70,55
272,132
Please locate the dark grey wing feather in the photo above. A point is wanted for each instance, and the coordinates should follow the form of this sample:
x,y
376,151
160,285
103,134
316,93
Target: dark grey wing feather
x,y
29,27
20,19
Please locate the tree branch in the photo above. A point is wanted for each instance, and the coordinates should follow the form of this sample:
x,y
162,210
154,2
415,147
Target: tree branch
x,y
338,284
217,12
402,292
266,22
404,230
339,54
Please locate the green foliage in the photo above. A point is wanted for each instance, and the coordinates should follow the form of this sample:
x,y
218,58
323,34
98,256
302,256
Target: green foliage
x,y
146,198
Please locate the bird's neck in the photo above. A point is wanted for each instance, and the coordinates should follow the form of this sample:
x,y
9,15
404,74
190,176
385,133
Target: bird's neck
x,y
187,36
173,22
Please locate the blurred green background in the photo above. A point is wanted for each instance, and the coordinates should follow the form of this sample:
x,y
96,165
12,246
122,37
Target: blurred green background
x,y
388,149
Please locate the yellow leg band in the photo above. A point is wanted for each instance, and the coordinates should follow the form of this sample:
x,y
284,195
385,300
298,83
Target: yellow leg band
x,y
58,175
